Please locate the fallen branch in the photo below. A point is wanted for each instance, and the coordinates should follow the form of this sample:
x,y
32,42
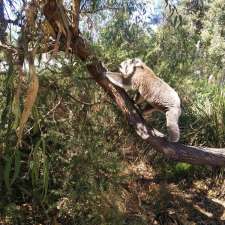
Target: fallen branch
x,y
175,151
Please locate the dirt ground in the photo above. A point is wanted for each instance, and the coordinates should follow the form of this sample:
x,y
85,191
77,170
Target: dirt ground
x,y
167,201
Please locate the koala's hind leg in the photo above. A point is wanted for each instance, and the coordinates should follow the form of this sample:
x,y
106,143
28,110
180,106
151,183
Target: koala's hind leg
x,y
172,118
148,110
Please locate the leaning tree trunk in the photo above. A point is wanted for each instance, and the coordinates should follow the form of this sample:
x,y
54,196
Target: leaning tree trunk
x,y
175,151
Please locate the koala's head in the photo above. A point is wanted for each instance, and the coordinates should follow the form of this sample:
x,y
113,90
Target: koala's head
x,y
128,67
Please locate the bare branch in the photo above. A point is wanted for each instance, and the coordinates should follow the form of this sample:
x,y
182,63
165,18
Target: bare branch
x,y
8,48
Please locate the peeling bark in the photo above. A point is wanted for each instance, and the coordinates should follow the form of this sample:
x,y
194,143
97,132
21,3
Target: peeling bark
x,y
174,151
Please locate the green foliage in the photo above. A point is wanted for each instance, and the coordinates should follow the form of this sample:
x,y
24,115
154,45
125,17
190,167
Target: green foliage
x,y
206,108
71,163
69,158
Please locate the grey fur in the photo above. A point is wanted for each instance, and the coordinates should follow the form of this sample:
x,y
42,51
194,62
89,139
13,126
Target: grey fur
x,y
155,91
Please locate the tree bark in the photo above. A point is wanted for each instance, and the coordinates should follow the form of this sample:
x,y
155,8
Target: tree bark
x,y
174,151
76,11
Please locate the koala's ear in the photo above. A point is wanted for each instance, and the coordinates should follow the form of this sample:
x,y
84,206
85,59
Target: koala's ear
x,y
138,63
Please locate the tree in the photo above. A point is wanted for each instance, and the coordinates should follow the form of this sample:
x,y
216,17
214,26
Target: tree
x,y
67,38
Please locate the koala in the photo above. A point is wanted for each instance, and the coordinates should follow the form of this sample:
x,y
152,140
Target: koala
x,y
136,75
